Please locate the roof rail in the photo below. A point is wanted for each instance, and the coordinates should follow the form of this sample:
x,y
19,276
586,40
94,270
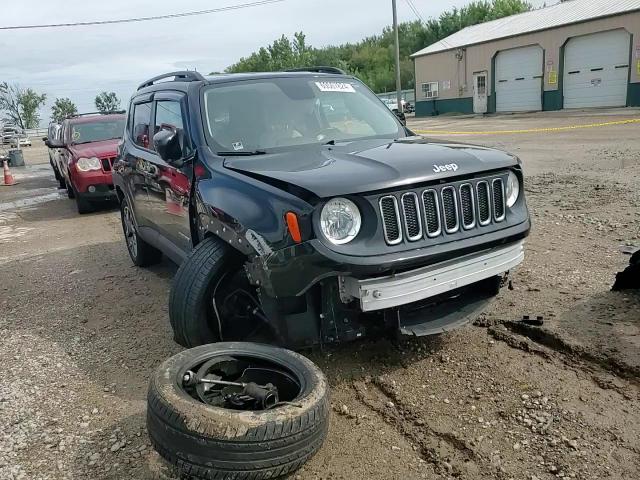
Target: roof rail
x,y
334,70
75,115
182,76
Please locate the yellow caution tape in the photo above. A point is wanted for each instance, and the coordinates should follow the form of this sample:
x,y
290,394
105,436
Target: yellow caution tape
x,y
530,130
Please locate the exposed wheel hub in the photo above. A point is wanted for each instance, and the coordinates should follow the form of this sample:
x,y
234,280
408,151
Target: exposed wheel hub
x,y
241,384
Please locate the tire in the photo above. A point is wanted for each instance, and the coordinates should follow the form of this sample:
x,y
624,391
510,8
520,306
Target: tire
x,y
70,192
191,290
61,182
83,205
55,170
217,443
144,254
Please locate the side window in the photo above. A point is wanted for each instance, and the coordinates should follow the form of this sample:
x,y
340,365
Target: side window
x,y
140,124
64,133
169,116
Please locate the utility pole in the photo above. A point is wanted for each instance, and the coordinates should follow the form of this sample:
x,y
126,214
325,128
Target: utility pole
x,y
398,83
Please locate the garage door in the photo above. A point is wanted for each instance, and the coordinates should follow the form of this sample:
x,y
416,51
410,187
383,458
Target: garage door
x,y
596,70
519,79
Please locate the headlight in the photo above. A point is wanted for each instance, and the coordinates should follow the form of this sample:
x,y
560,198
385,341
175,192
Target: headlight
x,y
513,189
340,221
86,164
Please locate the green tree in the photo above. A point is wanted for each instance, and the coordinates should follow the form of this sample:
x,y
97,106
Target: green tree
x,y
20,106
62,108
30,103
107,102
9,104
282,54
372,58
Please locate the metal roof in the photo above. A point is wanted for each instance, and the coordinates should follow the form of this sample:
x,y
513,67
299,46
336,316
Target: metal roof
x,y
572,11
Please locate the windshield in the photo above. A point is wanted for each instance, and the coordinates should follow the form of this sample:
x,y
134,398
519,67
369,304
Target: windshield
x,y
97,131
282,112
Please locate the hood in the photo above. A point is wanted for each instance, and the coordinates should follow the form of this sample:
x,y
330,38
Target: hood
x,y
106,148
370,165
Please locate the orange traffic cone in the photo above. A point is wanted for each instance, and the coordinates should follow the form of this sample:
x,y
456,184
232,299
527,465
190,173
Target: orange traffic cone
x,y
8,178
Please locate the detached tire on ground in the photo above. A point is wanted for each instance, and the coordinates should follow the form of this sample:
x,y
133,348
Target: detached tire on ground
x,y
212,442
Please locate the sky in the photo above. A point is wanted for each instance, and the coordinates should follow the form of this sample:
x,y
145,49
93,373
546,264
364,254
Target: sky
x,y
81,62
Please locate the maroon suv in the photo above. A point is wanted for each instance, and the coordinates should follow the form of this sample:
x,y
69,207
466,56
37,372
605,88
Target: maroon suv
x,y
88,146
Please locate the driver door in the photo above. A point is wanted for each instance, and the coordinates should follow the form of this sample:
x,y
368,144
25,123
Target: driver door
x,y
169,187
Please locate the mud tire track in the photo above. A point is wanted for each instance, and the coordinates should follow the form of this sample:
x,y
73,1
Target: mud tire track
x,y
449,454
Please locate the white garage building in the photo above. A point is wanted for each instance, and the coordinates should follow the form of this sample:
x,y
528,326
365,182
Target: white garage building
x,y
576,54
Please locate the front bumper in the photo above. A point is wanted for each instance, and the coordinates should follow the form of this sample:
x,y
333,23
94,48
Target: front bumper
x,y
430,281
290,272
101,181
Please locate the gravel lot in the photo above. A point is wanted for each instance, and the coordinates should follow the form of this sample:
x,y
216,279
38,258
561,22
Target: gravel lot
x,y
81,329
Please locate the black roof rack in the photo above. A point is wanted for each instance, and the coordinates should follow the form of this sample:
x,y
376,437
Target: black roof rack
x,y
334,70
183,76
75,115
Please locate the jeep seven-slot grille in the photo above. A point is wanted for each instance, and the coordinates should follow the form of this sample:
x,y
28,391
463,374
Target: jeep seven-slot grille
x,y
442,210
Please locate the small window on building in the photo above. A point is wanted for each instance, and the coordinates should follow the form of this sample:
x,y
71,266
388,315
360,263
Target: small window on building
x,y
482,85
430,89
141,120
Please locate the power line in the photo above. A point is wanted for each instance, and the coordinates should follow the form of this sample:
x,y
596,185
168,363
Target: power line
x,y
415,10
145,19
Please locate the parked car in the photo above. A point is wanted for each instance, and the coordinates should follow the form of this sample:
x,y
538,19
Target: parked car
x,y
304,230
87,146
54,135
8,133
21,140
393,106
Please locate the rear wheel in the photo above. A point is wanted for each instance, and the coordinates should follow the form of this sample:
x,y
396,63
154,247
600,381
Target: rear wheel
x,y
55,170
142,254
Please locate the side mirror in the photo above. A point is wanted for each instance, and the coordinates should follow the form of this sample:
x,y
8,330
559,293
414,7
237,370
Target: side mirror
x,y
167,144
54,143
401,117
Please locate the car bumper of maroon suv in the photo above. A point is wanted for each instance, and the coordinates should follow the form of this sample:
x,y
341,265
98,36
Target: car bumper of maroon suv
x,y
95,184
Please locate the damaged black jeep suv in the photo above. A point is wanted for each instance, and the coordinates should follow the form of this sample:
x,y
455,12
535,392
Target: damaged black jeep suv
x,y
302,212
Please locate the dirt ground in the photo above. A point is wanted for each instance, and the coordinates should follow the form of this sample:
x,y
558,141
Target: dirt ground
x,y
81,329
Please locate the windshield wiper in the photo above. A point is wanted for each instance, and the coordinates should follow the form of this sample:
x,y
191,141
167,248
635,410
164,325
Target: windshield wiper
x,y
247,153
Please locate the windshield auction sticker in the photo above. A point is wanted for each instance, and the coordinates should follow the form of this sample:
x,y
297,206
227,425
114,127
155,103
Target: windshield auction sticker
x,y
335,87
